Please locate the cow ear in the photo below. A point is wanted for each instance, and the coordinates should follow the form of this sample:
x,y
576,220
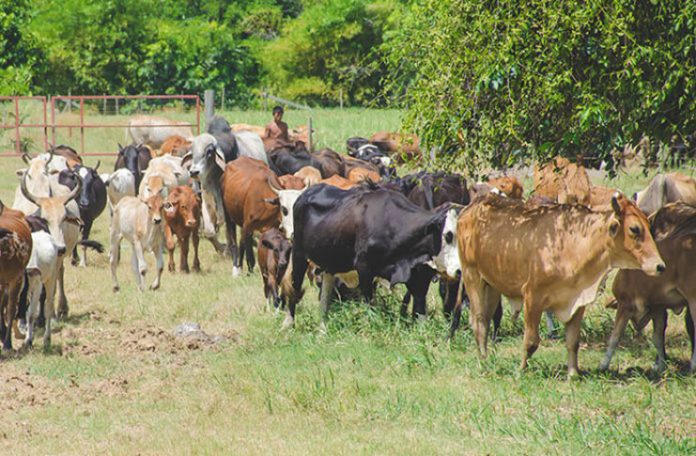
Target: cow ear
x,y
273,201
188,156
20,172
168,206
614,226
615,204
266,243
120,149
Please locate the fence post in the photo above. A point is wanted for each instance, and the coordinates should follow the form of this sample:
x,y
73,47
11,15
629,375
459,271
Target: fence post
x,y
265,100
222,95
340,98
209,104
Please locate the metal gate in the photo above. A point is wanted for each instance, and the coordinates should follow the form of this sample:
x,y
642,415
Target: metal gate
x,y
93,125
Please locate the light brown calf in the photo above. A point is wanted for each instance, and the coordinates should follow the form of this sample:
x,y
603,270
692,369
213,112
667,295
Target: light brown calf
x,y
182,212
562,181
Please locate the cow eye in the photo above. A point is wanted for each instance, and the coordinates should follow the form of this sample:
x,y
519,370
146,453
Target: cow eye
x,y
449,237
284,211
635,230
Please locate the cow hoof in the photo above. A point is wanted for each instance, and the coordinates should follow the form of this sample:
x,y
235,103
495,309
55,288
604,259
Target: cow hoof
x,y
28,344
288,323
116,289
236,272
171,268
196,268
154,286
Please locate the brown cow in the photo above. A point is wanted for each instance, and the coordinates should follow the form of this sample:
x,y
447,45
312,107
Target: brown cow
x,y
67,152
548,258
261,131
309,174
274,256
339,182
562,181
351,163
641,298
15,250
250,202
359,175
182,212
174,145
404,145
509,185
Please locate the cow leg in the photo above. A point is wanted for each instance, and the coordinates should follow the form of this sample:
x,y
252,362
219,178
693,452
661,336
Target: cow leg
x,y
49,308
457,311
404,303
659,327
33,297
327,287
622,316
169,242
159,261
449,300
114,257
86,230
249,247
196,262
418,285
183,255
139,264
572,335
62,299
75,259
481,317
231,234
532,318
497,318
299,268
11,309
366,283
551,325
689,322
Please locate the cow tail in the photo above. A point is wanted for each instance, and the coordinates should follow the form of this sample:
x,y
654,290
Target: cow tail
x,y
94,245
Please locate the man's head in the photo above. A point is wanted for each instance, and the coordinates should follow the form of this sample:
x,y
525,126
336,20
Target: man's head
x,y
278,113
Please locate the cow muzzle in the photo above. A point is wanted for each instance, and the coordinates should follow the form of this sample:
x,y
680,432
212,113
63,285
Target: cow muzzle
x,y
61,250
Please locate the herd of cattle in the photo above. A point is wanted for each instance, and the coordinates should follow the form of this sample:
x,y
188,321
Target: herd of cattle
x,y
348,223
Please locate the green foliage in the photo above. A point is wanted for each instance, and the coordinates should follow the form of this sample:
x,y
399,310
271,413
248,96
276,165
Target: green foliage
x,y
331,45
18,51
510,79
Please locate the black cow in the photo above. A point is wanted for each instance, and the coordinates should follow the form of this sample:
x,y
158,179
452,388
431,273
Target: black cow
x,y
220,128
92,201
366,230
355,143
135,159
288,160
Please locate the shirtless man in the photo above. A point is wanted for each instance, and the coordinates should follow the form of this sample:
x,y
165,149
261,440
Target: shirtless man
x,y
277,130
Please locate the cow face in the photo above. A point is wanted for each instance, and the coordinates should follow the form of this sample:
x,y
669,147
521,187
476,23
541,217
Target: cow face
x,y
371,153
447,260
282,248
154,185
634,247
155,206
204,156
286,201
54,211
186,206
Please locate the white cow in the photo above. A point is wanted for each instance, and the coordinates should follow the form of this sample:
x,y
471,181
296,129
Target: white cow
x,y
119,184
168,173
41,179
141,224
42,272
153,131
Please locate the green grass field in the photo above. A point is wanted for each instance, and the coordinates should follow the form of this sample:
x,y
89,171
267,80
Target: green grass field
x,y
117,382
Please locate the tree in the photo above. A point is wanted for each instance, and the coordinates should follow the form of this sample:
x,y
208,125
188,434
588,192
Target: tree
x,y
18,50
499,81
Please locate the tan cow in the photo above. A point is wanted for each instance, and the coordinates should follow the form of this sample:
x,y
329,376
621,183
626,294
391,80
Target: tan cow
x,y
640,297
141,224
600,198
175,145
153,131
563,182
162,175
261,131
358,175
403,145
547,258
508,185
309,174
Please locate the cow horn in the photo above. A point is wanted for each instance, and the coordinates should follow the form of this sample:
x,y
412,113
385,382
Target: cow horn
x,y
25,191
75,192
26,158
2,207
98,163
50,157
273,187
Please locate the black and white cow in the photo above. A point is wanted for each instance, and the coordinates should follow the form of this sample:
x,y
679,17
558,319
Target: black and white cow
x,y
359,235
